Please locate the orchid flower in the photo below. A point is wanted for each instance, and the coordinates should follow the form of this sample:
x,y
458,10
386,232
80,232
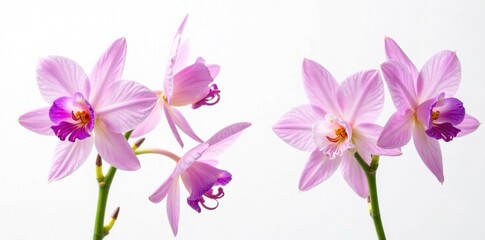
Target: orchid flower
x,y
426,108
199,175
337,123
90,110
183,85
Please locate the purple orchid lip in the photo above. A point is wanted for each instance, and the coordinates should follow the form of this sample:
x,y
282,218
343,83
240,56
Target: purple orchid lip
x,y
207,192
444,115
212,97
73,117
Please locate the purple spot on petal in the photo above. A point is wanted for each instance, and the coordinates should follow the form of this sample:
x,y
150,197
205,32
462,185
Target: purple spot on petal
x,y
212,97
444,131
451,110
73,117
224,178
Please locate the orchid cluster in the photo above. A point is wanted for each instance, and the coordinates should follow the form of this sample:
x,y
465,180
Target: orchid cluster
x,y
102,110
338,127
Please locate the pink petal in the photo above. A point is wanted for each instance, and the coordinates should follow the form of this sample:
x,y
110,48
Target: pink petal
x,y
317,169
365,138
162,191
68,157
107,70
37,121
320,86
400,83
177,50
168,114
469,125
125,105
177,58
354,175
150,122
182,58
394,53
295,127
224,138
440,74
214,70
429,150
59,76
182,123
190,157
173,206
397,131
191,84
114,149
361,97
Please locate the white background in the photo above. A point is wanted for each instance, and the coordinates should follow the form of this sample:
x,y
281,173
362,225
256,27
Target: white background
x,y
260,46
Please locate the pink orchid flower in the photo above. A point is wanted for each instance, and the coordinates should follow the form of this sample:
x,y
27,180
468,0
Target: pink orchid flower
x,y
337,123
81,105
199,175
426,108
183,85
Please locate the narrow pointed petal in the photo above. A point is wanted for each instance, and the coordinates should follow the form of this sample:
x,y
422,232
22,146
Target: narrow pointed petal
x,y
397,131
365,138
220,141
361,97
107,70
162,191
354,175
150,122
295,127
468,125
400,83
173,206
320,86
191,84
182,123
394,53
114,149
68,157
177,58
317,169
440,74
182,58
126,104
37,121
59,76
214,70
429,150
168,114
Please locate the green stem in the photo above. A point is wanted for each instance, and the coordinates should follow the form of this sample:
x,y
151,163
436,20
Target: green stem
x,y
370,173
104,185
103,193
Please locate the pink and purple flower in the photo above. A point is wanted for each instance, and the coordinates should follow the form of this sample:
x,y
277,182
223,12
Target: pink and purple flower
x,y
86,111
199,175
183,85
426,108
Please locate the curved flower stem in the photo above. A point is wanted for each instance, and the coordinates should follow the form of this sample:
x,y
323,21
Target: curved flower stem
x,y
104,184
370,173
163,152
